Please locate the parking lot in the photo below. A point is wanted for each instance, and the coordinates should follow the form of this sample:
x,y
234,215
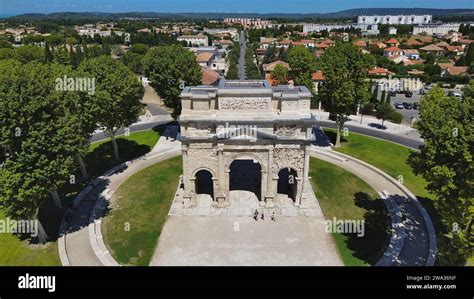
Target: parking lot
x,y
409,115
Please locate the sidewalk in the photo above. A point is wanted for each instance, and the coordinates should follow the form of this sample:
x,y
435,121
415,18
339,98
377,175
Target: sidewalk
x,y
370,122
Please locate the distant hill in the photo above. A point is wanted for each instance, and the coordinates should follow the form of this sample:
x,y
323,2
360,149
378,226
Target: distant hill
x,y
345,14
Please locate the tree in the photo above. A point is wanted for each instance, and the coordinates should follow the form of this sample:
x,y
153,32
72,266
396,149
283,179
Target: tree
x,y
170,68
445,162
37,134
280,74
388,98
302,65
384,111
383,97
48,56
118,93
270,55
139,49
344,88
133,61
375,94
468,58
283,55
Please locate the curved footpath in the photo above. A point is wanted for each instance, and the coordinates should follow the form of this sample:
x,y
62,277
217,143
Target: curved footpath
x,y
413,241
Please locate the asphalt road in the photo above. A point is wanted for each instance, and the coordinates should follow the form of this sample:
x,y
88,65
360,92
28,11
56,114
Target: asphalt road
x,y
406,141
243,49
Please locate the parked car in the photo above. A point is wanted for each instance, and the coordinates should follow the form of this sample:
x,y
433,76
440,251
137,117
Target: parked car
x,y
407,105
422,92
416,106
392,93
398,105
428,87
409,94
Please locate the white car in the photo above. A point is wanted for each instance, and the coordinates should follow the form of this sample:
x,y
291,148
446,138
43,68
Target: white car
x,y
456,94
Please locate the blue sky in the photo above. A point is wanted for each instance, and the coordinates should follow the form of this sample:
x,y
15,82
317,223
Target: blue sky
x,y
12,7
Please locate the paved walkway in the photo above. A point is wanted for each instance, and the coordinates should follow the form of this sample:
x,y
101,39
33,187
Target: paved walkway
x,y
418,247
77,241
419,244
372,123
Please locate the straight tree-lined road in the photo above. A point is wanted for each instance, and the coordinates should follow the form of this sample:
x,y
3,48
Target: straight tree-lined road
x,y
243,48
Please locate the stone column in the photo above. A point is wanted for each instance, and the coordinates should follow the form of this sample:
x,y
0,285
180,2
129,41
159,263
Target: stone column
x,y
187,196
270,195
192,182
221,192
304,196
263,186
215,190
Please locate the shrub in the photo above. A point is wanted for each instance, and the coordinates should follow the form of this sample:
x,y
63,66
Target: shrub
x,y
396,117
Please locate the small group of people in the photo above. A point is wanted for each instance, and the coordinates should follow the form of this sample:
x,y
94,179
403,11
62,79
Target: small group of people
x,y
257,215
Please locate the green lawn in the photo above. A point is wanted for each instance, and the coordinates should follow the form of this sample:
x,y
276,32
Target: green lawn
x,y
389,157
143,202
343,195
135,145
16,252
392,159
148,137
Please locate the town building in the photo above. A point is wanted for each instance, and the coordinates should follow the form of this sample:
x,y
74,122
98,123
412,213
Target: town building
x,y
436,29
194,40
395,19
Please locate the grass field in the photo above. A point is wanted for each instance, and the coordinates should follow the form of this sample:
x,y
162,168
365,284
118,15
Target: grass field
x,y
17,252
392,159
135,145
142,202
346,197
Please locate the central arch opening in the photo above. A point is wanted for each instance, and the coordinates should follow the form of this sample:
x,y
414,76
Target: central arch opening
x,y
246,175
287,183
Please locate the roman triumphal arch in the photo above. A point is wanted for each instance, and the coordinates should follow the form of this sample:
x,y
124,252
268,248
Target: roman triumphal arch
x,y
245,135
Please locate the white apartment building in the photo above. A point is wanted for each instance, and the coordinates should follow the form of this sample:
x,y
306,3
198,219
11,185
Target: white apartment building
x,y
200,40
247,22
395,20
366,29
436,29
311,27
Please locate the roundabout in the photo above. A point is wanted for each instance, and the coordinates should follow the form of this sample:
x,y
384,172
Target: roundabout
x,y
76,246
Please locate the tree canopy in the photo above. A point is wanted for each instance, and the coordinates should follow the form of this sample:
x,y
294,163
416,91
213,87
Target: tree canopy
x,y
169,68
445,161
345,68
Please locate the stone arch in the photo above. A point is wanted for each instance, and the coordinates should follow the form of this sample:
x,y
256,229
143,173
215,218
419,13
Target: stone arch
x,y
204,182
288,182
195,171
246,175
249,156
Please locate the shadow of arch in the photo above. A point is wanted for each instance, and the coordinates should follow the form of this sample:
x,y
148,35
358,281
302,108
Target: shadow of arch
x,y
287,183
204,183
246,175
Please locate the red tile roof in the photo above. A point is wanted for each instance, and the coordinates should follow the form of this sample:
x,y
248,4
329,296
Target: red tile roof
x,y
360,43
271,66
209,76
380,71
392,41
392,49
317,76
